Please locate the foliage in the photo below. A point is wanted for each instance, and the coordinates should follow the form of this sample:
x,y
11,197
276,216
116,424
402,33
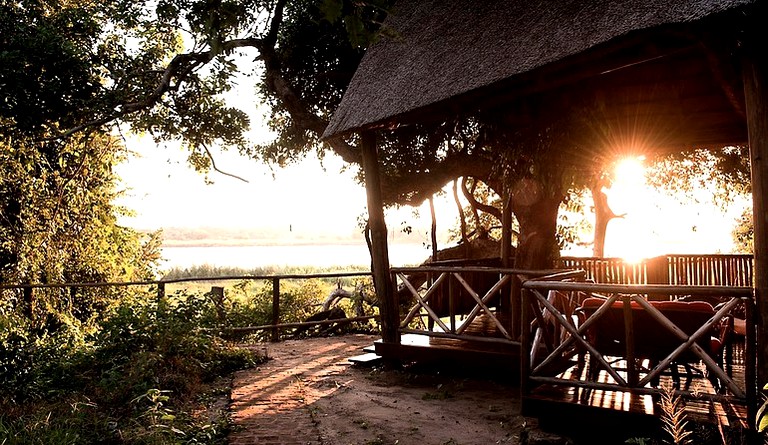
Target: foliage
x,y
762,414
59,225
724,173
674,419
46,70
252,306
572,219
317,59
26,353
131,381
744,232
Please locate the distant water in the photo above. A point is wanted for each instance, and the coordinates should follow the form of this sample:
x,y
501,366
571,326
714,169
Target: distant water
x,y
320,255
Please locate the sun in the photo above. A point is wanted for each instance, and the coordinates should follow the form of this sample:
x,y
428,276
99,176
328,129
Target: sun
x,y
630,172
628,198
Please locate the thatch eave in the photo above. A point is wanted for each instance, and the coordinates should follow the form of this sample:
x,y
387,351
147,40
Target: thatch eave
x,y
418,78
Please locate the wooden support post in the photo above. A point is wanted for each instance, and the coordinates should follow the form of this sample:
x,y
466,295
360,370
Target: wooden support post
x,y
275,309
29,302
526,317
755,75
452,291
160,291
217,295
382,281
629,340
510,301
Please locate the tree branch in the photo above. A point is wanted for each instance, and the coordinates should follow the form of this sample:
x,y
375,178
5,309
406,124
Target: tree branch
x,y
178,69
462,217
491,210
414,188
215,168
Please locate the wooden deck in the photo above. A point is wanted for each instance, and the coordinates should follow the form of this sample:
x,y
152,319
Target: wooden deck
x,y
639,409
625,410
560,387
433,348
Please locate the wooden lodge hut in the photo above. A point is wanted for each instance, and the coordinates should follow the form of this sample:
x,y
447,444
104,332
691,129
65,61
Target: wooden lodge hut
x,y
674,75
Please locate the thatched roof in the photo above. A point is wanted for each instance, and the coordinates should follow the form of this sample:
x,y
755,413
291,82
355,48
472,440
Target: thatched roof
x,y
466,48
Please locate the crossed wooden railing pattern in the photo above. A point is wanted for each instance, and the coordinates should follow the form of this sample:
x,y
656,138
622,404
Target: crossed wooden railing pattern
x,y
445,295
422,300
451,293
566,349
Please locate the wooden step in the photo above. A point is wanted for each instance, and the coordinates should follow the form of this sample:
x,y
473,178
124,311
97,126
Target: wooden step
x,y
367,359
370,348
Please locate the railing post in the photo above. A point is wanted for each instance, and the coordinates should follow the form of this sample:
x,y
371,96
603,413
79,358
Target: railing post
x,y
452,302
275,309
629,340
750,363
217,295
160,291
29,302
525,344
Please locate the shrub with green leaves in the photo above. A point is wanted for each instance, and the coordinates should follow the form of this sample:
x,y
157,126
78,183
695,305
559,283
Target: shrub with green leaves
x,y
126,382
252,306
168,344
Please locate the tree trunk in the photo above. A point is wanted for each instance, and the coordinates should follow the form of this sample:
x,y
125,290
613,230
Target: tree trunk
x,y
536,210
603,215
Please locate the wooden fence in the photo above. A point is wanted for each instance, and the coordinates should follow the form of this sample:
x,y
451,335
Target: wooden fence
x,y
28,294
683,270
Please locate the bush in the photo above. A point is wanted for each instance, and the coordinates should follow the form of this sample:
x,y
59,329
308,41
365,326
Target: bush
x,y
27,353
250,306
127,382
169,344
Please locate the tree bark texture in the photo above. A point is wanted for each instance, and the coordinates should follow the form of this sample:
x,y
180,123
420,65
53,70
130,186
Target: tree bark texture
x,y
535,207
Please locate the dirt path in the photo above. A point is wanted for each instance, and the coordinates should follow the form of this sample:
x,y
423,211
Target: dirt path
x,y
309,394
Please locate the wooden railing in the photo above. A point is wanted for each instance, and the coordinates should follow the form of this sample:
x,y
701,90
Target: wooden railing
x,y
691,270
447,303
563,347
68,290
710,270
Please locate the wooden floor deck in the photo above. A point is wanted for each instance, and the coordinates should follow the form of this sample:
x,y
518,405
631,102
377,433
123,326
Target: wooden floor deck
x,y
625,409
476,349
639,409
464,353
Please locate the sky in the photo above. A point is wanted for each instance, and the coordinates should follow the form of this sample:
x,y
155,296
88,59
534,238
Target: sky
x,y
306,199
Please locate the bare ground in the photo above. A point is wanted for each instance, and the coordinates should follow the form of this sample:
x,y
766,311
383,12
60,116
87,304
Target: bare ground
x,y
308,393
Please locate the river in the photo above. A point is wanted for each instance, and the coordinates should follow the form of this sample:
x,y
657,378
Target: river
x,y
314,255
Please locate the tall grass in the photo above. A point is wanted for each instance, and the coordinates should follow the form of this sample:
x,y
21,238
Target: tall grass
x,y
211,271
